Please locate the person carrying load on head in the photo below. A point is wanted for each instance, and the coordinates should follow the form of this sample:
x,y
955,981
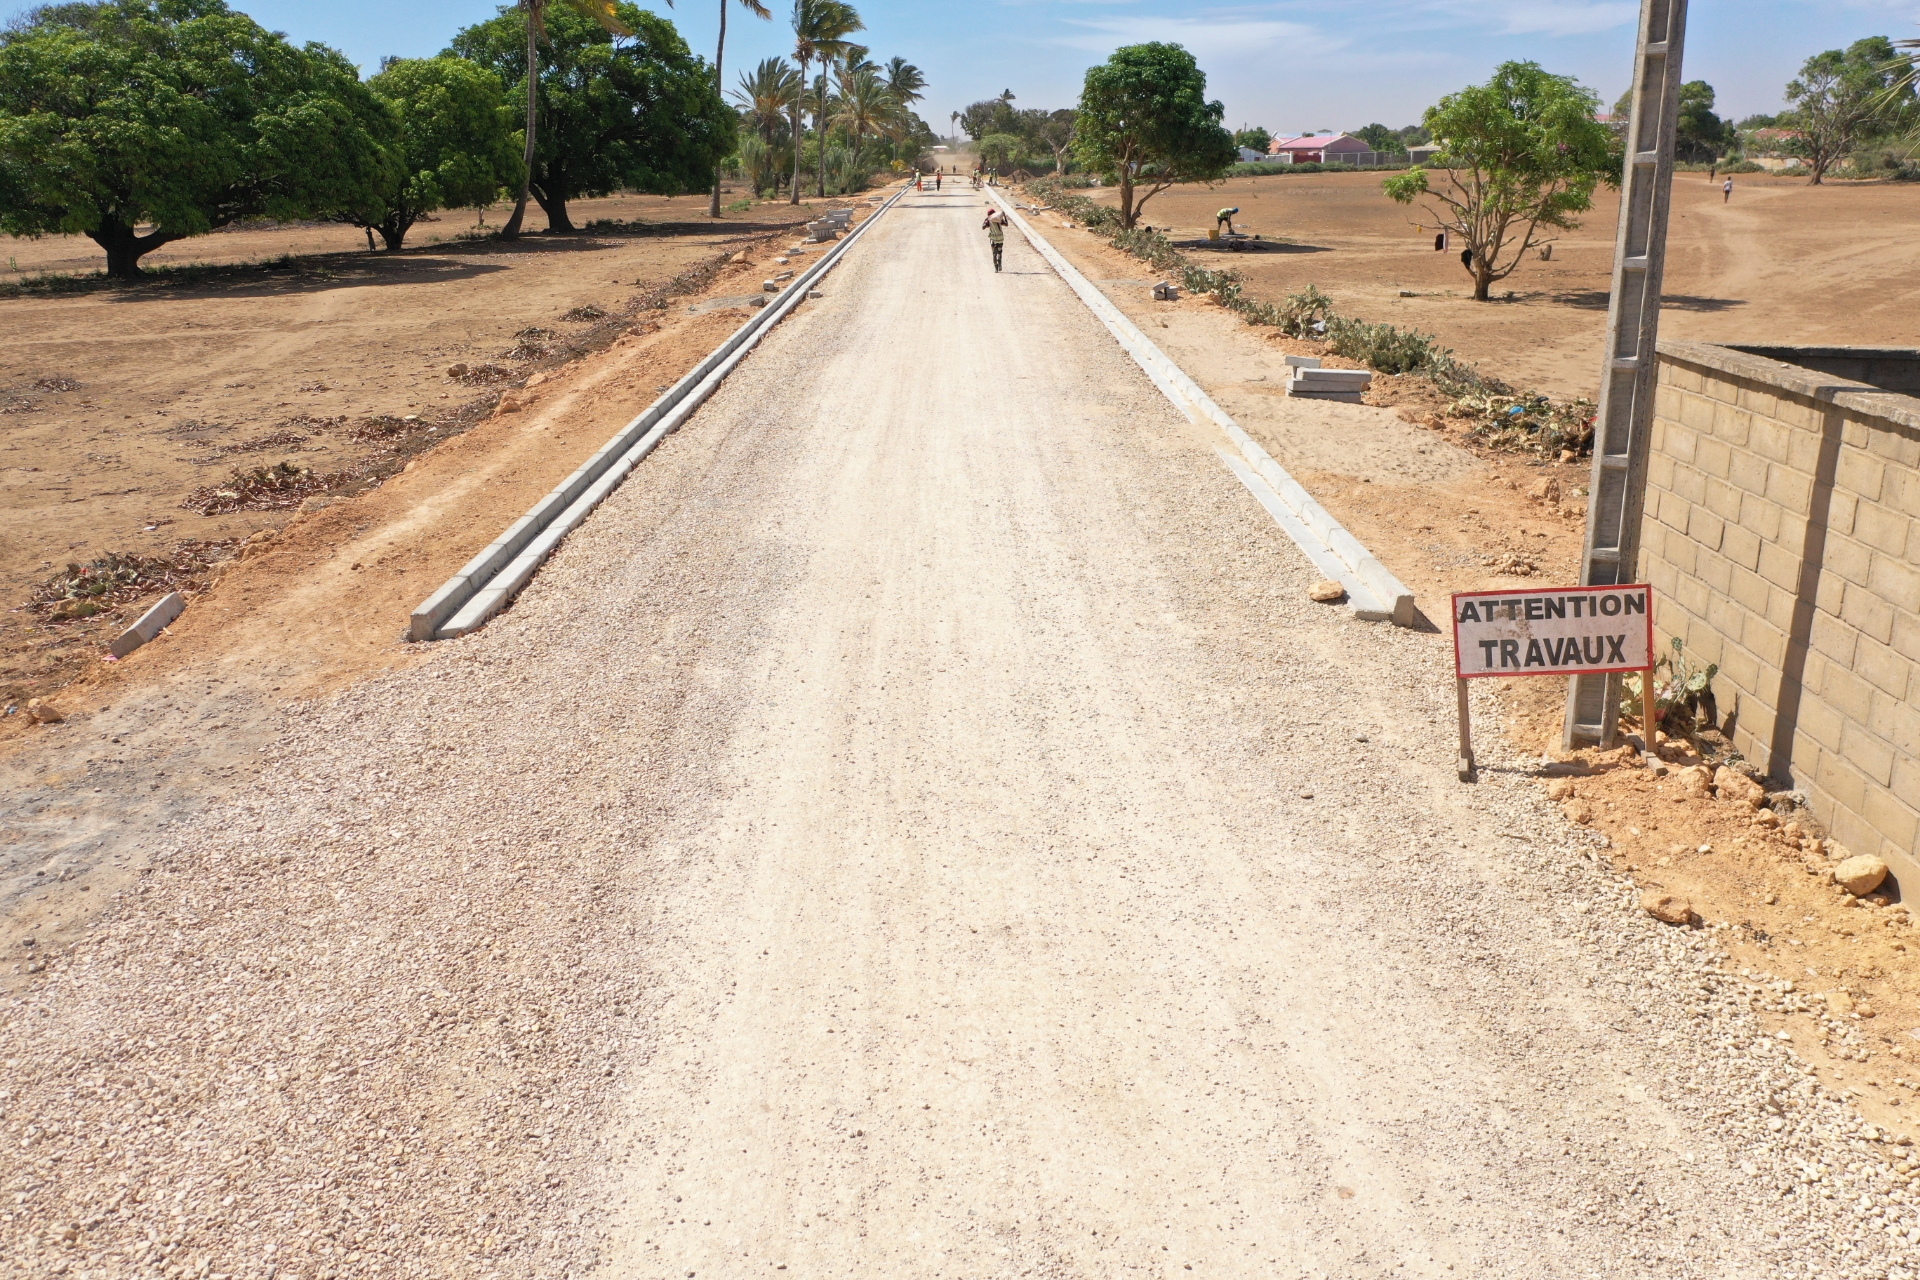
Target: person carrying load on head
x,y
1225,218
996,225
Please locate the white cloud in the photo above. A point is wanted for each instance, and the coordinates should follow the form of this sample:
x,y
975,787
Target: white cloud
x,y
1202,36
1540,17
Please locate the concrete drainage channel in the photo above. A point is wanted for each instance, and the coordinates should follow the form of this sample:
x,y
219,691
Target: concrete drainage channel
x,y
1373,593
491,579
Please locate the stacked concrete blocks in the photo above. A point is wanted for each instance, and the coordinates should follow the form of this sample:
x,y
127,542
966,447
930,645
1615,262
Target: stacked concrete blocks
x,y
1311,382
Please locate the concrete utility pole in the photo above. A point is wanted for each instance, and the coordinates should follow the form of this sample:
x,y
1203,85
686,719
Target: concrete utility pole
x,y
1617,492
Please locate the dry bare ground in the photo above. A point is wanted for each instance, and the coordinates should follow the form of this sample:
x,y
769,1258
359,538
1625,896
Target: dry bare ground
x,y
917,827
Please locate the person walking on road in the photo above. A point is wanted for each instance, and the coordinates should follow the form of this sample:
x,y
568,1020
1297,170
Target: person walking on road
x,y
996,225
1726,192
936,182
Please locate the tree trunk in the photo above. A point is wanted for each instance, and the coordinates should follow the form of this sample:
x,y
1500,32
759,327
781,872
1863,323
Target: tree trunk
x,y
394,232
1482,277
713,208
1127,213
555,207
512,230
820,128
798,141
124,248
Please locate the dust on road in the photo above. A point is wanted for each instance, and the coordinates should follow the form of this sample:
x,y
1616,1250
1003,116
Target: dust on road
x,y
917,827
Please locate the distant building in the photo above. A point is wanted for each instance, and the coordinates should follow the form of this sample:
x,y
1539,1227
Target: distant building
x,y
1423,153
1319,148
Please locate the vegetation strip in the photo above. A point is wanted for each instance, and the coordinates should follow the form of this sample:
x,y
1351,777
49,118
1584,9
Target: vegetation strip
x,y
1390,598
491,579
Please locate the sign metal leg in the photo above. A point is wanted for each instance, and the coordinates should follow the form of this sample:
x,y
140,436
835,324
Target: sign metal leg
x,y
1466,734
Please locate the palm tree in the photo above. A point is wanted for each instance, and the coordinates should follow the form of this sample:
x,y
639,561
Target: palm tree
x,y
866,107
954,118
767,93
905,82
820,31
758,10
602,12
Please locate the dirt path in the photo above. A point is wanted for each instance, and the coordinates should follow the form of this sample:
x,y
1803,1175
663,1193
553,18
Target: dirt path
x,y
917,828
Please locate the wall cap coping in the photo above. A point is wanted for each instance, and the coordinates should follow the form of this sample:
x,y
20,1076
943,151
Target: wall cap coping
x,y
1860,397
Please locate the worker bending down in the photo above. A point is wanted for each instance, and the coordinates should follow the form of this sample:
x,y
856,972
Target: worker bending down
x,y
1224,218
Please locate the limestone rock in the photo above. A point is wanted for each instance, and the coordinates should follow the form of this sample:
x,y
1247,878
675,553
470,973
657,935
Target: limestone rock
x,y
1766,818
1839,1003
1670,908
1327,591
739,257
457,371
1696,780
1547,490
510,403
1860,875
41,711
1560,789
1738,787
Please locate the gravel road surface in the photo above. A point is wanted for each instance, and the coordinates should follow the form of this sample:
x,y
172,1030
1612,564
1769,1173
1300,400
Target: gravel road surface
x,y
918,827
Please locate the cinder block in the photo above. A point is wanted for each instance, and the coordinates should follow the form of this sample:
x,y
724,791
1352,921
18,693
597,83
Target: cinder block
x,y
1741,546
1766,438
1730,424
1692,595
1659,469
1750,591
1882,667
1713,458
1847,693
1892,444
1896,822
1859,472
1868,754
1854,434
1704,527
1829,594
1761,515
1790,488
1849,791
1848,559
1867,613
1681,442
1898,723
1882,529
1780,566
1689,483
1726,616
1906,778
1740,667
1758,401
1819,721
1807,755
1896,581
1723,499
1906,634
1682,377
1748,471
1841,507
1716,574
1900,491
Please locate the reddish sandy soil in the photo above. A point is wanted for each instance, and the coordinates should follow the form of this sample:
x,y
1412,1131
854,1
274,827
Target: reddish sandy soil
x,y
1782,262
119,404
1447,515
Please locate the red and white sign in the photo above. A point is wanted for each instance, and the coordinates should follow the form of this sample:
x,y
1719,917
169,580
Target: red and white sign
x,y
1552,631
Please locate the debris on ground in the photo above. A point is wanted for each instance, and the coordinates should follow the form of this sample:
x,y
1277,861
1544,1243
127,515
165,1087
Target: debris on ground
x,y
1327,591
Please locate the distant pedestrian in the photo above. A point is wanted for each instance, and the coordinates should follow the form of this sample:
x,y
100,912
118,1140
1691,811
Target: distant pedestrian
x,y
936,182
1224,218
1726,191
996,225
1713,171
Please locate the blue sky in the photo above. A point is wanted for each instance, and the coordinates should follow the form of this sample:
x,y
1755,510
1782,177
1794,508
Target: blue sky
x,y
1291,66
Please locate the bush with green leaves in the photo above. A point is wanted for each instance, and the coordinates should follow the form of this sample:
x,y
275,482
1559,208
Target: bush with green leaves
x,y
181,116
458,144
637,112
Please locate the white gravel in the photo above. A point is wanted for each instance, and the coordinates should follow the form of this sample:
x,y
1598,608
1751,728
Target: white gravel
x,y
918,827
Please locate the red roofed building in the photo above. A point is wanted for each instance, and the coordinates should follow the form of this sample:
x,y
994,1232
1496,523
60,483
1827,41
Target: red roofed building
x,y
1319,148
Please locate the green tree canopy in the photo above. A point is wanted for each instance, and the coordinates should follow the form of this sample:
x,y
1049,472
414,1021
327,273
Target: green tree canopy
x,y
1520,153
639,112
1379,137
1840,99
457,141
1699,136
1145,121
181,116
990,115
1254,139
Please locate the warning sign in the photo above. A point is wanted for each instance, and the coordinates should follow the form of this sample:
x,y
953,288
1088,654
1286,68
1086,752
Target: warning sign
x,y
1552,631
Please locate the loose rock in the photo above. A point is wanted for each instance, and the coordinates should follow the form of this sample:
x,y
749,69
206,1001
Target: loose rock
x,y
1860,875
1560,789
1738,787
42,711
1326,591
1668,907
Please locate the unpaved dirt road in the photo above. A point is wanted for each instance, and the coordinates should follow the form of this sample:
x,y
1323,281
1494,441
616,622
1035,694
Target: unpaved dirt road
x,y
918,827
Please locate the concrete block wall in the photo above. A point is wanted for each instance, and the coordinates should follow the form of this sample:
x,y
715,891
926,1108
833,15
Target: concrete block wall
x,y
1782,539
